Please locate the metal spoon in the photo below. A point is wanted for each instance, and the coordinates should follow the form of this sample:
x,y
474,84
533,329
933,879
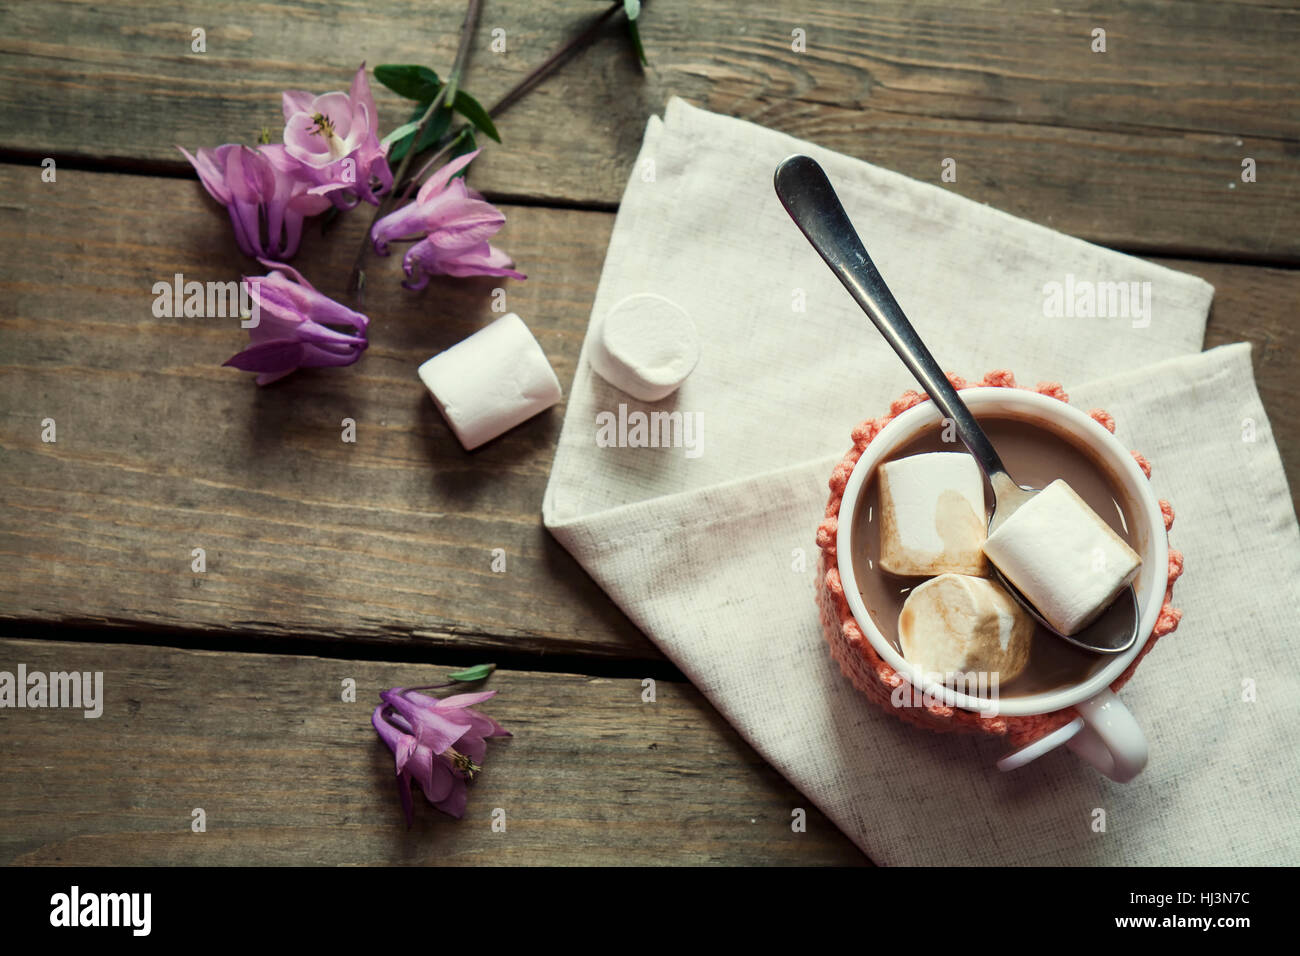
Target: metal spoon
x,y
809,198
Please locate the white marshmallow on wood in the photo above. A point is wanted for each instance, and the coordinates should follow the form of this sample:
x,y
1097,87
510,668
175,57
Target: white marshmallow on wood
x,y
957,623
932,517
1063,557
492,381
645,345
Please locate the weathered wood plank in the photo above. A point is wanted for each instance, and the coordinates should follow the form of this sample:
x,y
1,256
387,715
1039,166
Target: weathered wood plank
x,y
386,541
160,450
1139,147
287,773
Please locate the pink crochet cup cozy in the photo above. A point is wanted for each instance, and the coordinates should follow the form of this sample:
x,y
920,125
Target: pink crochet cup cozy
x,y
874,676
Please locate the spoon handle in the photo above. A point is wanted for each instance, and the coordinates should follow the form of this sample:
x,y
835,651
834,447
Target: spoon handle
x,y
809,198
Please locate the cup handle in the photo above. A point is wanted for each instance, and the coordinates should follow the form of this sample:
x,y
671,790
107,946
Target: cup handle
x,y
1110,739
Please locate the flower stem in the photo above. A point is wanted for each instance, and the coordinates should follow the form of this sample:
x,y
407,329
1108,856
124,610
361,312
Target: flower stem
x,y
536,75
357,281
554,61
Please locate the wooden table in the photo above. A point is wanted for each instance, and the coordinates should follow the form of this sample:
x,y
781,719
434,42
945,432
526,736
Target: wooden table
x,y
370,561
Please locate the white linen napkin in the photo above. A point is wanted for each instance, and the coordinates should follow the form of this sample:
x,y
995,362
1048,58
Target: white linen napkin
x,y
702,547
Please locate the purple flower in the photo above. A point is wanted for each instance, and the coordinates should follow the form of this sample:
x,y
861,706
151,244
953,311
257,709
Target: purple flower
x,y
333,137
438,743
453,224
266,198
292,328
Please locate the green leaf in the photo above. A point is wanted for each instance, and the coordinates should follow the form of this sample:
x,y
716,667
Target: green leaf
x,y
439,123
406,129
635,33
473,111
401,147
417,83
473,673
435,131
632,8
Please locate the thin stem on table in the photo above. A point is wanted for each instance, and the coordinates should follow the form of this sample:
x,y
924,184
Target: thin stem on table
x,y
546,67
356,282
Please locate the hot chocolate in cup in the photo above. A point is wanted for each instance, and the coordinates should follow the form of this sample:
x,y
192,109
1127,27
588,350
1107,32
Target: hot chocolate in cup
x,y
1039,439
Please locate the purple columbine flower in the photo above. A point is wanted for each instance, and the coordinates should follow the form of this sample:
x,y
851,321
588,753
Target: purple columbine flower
x,y
293,331
333,136
266,196
438,743
453,224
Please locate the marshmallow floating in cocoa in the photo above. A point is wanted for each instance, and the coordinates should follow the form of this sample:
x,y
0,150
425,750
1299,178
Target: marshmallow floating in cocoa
x,y
932,517
492,381
957,623
1063,557
645,345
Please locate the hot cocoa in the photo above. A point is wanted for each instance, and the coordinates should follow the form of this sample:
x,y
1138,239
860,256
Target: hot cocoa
x,y
1037,456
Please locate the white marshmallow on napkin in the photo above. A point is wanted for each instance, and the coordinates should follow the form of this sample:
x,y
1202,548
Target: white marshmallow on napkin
x,y
492,381
1063,557
932,517
645,345
956,623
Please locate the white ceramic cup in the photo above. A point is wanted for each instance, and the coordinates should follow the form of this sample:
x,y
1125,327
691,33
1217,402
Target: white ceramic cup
x,y
1105,733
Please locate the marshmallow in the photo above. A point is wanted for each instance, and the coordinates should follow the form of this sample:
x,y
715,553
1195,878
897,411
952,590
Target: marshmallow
x,y
1063,557
956,623
490,382
645,345
932,515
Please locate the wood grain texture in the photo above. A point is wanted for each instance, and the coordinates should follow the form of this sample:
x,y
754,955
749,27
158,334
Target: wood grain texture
x,y
287,773
387,541
384,546
160,450
1139,147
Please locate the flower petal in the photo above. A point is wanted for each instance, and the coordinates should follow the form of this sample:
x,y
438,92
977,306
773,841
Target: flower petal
x,y
468,222
483,260
485,726
210,166
305,143
244,219
454,805
295,101
274,356
434,730
327,356
387,732
462,700
337,108
288,270
363,103
275,290
437,780
439,180
406,749
404,791
403,223
473,747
